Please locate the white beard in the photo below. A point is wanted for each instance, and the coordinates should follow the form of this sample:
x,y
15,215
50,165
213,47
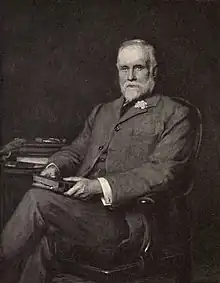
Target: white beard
x,y
132,93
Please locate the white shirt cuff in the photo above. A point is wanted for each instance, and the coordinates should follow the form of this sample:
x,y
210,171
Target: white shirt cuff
x,y
107,191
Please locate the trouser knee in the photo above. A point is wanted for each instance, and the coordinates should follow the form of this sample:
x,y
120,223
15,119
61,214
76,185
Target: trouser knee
x,y
37,199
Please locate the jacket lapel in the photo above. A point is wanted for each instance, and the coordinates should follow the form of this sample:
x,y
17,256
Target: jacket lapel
x,y
111,119
133,111
116,109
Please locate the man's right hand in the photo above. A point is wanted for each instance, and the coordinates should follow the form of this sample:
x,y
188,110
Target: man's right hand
x,y
50,172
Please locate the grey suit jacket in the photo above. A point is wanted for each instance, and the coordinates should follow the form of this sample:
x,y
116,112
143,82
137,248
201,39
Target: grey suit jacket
x,y
147,149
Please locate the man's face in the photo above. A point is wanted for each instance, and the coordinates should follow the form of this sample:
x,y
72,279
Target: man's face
x,y
135,77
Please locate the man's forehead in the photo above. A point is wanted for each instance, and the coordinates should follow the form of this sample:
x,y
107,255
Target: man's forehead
x,y
132,53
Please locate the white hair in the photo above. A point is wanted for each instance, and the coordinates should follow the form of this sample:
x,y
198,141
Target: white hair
x,y
149,49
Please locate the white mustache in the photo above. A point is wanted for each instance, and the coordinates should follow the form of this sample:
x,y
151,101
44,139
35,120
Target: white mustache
x,y
128,84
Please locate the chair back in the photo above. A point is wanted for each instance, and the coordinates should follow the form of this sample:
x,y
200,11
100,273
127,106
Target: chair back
x,y
196,122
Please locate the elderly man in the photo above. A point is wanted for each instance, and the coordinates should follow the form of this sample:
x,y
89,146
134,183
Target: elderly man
x,y
137,144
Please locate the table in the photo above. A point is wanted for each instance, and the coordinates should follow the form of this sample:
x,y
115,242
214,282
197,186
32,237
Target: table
x,y
14,183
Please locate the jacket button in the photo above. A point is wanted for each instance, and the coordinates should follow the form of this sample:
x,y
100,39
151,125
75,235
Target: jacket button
x,y
117,128
101,147
102,158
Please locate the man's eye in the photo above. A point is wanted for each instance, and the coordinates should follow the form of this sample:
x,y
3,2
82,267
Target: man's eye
x,y
139,67
123,68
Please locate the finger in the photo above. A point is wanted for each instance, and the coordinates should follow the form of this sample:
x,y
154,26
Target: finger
x,y
75,179
48,173
82,192
43,173
79,193
73,190
68,179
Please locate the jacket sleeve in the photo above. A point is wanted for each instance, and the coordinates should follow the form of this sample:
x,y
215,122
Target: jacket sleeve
x,y
164,166
69,158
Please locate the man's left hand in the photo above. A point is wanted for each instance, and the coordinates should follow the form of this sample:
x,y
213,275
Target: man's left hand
x,y
84,188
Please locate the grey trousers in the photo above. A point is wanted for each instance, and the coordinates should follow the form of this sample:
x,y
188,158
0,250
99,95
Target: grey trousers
x,y
26,243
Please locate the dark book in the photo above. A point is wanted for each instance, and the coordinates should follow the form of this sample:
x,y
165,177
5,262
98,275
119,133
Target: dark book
x,y
58,186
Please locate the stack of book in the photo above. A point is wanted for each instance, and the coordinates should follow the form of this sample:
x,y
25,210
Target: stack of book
x,y
34,153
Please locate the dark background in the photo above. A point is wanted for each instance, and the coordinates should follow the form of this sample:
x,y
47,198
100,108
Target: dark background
x,y
58,61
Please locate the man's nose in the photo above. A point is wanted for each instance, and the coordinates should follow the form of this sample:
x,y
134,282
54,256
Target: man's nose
x,y
131,75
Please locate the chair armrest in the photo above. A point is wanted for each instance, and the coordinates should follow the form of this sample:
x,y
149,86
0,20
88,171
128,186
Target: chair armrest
x,y
150,203
160,197
145,205
153,198
146,200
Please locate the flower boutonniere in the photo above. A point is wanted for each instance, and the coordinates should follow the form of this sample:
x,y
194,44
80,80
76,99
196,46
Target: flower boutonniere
x,y
141,104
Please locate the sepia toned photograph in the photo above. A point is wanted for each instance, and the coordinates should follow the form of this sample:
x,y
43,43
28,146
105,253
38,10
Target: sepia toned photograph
x,y
109,141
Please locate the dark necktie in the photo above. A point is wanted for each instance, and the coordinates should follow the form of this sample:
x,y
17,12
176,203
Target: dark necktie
x,y
126,107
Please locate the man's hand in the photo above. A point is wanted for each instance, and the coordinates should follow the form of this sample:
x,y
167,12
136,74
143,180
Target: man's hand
x,y
84,188
50,172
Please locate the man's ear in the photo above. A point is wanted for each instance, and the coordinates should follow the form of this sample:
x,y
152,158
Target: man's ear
x,y
154,72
